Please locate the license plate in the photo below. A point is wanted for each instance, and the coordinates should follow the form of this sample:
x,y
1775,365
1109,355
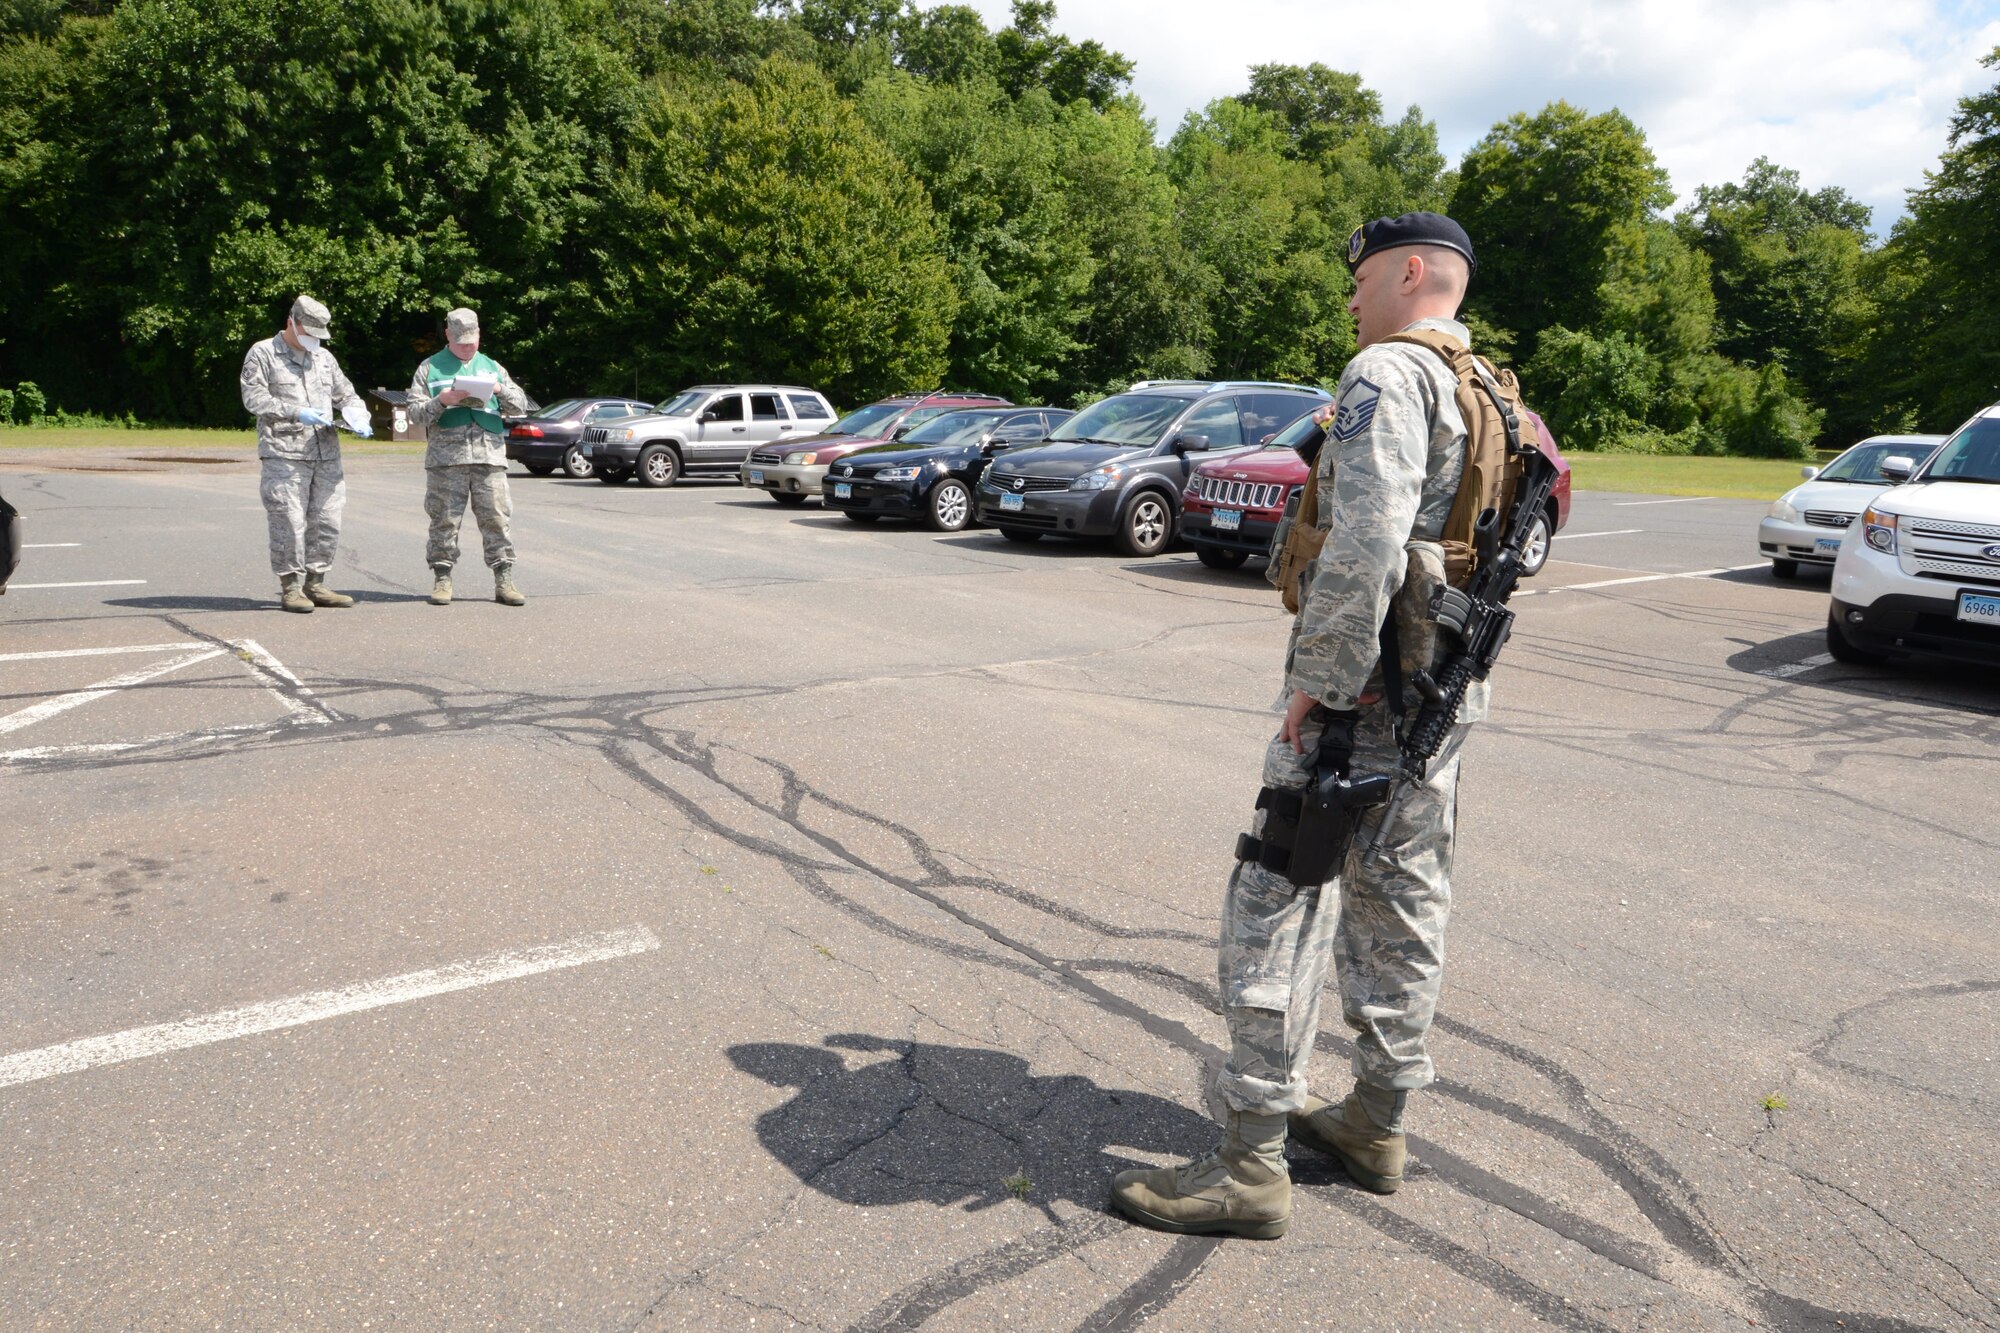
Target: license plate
x,y
1229,520
1979,607
1011,502
756,478
1826,545
842,491
584,450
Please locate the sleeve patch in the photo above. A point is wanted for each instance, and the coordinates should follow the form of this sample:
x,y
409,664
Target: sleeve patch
x,y
1356,410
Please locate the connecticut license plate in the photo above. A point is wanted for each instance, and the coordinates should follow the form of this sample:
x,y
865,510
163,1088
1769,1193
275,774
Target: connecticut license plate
x,y
1011,502
756,478
583,449
1229,520
842,491
1826,546
1981,608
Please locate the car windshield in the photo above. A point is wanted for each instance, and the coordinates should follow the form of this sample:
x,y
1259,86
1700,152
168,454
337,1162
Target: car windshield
x,y
1971,455
555,410
681,403
1863,463
1298,433
865,420
953,428
1127,419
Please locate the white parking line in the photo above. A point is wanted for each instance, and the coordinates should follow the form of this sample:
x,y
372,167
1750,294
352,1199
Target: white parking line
x,y
96,652
1615,532
92,583
1643,578
1790,669
1681,500
299,701
229,1024
46,546
62,703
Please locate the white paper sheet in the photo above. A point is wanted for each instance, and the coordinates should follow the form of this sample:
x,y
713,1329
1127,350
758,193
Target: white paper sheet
x,y
479,386
355,414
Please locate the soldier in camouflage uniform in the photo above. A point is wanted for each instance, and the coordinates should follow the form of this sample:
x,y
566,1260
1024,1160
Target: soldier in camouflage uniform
x,y
295,389
465,459
1388,474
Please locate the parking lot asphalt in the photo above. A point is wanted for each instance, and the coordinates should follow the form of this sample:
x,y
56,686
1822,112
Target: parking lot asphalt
x,y
781,923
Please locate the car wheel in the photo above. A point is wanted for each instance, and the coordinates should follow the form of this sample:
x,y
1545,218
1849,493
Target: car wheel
x,y
1221,557
788,497
1842,649
1535,551
1022,535
950,508
1148,525
659,465
853,517
613,476
540,469
1784,569
576,464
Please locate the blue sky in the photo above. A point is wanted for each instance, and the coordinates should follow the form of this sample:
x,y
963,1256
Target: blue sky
x,y
1855,93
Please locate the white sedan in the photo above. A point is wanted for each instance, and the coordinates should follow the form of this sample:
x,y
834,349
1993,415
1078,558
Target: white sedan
x,y
1806,524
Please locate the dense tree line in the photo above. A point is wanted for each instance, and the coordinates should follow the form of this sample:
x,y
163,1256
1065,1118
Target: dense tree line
x,y
868,196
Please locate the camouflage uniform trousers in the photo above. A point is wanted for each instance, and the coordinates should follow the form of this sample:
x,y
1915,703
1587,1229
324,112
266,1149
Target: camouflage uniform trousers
x,y
1382,924
302,501
447,490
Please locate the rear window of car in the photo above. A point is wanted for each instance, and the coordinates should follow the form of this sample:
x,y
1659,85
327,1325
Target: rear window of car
x,y
1127,418
806,407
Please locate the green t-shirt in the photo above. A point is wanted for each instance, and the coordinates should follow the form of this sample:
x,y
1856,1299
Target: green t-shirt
x,y
443,368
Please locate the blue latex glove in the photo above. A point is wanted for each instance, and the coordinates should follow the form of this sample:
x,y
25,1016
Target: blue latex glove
x,y
365,432
312,416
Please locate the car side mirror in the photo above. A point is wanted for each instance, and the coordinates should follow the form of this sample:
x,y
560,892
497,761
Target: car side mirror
x,y
900,432
1190,443
1808,472
710,415
1898,469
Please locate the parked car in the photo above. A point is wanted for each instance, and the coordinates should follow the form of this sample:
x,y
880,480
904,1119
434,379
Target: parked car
x,y
930,473
10,542
1806,524
553,437
1118,467
1232,505
1922,575
791,472
703,431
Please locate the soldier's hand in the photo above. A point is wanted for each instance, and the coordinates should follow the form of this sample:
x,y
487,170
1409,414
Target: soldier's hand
x,y
312,416
1295,716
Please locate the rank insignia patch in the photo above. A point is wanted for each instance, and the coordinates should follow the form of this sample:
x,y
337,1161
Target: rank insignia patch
x,y
1356,410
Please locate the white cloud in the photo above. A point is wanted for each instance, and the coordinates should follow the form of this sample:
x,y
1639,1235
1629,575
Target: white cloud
x,y
1854,93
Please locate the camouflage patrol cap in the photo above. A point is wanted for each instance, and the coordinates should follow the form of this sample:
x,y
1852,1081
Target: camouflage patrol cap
x,y
1410,229
461,324
312,317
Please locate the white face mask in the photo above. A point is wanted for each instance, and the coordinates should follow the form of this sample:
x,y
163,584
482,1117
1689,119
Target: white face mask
x,y
306,340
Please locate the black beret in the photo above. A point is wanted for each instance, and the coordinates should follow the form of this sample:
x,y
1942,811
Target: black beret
x,y
1409,229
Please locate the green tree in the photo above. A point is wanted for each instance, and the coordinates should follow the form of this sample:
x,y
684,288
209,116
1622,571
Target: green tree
x,y
1031,56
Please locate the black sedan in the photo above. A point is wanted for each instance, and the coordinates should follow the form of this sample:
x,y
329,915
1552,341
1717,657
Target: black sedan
x,y
930,472
548,438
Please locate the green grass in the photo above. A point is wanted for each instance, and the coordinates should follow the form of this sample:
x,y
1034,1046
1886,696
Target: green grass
x,y
178,439
1649,474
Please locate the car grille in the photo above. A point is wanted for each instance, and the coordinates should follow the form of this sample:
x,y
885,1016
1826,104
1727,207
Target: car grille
x,y
1960,532
1945,630
1241,494
595,434
1019,484
1827,518
1015,518
1958,571
770,455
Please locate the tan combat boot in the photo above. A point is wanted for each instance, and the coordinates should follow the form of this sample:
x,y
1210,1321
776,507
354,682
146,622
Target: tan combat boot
x,y
441,585
1373,1156
1240,1189
321,595
289,596
504,591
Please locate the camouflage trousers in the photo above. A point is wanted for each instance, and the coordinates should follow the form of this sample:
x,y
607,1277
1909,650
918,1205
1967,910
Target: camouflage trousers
x,y
1381,924
302,503
447,490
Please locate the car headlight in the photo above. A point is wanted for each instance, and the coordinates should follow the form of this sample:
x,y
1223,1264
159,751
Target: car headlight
x,y
1784,512
1097,480
900,473
626,435
801,459
1878,529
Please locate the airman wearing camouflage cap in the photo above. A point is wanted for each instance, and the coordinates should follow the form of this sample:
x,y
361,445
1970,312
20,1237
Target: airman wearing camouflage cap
x,y
1387,476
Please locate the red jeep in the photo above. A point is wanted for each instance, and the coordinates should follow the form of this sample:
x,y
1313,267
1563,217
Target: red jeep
x,y
1232,505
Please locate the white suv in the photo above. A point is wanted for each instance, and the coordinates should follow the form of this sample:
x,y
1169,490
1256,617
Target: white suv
x,y
1919,571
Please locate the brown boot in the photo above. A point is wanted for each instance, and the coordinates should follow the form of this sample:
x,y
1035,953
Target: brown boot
x,y
321,595
504,591
290,598
1374,1157
1240,1189
441,585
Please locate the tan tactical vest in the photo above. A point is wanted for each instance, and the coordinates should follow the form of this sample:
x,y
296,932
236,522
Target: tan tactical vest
x,y
1489,481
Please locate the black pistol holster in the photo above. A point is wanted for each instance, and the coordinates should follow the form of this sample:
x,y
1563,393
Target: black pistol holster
x,y
1308,831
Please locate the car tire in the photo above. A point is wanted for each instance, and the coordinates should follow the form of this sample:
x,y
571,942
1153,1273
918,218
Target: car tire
x,y
1784,569
1843,649
659,466
1221,557
574,463
1022,535
1148,525
949,508
1535,551
613,476
853,517
540,469
788,498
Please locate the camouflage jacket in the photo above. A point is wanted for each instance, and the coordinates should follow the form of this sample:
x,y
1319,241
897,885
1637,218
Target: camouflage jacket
x,y
451,446
1387,477
279,379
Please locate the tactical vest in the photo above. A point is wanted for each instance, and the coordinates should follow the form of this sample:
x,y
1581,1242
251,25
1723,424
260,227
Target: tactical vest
x,y
1489,481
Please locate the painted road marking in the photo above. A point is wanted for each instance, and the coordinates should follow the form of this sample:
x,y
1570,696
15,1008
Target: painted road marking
x,y
250,1020
46,546
1682,500
93,583
1616,532
62,703
286,688
1643,578
1790,669
96,652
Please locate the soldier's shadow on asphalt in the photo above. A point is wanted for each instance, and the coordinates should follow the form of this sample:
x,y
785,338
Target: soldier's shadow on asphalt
x,y
875,1121
168,602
